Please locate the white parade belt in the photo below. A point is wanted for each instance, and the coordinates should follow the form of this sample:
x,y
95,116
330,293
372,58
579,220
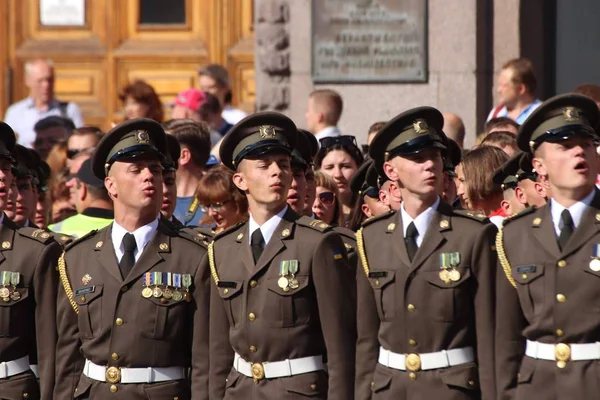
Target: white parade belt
x,y
426,361
277,369
132,375
14,367
563,352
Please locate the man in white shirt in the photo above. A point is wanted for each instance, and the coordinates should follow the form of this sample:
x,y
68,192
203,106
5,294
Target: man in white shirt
x,y
323,113
41,103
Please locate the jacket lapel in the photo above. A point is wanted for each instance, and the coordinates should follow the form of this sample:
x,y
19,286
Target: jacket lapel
x,y
396,230
105,254
543,230
283,231
433,238
244,251
7,236
588,227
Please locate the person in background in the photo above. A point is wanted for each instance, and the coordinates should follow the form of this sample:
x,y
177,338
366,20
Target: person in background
x,y
41,103
454,128
71,182
42,171
340,158
501,124
477,191
533,188
214,79
507,177
51,131
301,161
366,190
170,165
373,130
94,206
503,140
327,205
194,139
589,90
516,91
311,191
84,139
323,112
26,200
223,204
452,157
201,106
62,207
141,101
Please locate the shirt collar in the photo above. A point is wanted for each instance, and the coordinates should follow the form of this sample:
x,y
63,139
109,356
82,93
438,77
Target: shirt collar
x,y
142,235
330,131
421,222
576,211
30,104
268,228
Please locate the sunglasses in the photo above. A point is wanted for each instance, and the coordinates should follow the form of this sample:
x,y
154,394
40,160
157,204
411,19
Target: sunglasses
x,y
327,198
72,153
216,207
344,141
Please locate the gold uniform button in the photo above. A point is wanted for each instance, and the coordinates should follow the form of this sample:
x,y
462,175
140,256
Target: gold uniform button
x,y
176,398
559,332
225,291
412,342
114,356
25,395
253,284
372,385
376,283
119,321
253,349
313,386
124,289
561,298
562,263
412,376
524,276
472,383
411,308
113,388
251,317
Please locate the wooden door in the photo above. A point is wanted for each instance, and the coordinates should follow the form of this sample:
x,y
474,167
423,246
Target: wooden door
x,y
112,42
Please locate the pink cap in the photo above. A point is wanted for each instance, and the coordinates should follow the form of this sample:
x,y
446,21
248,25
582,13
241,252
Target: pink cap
x,y
191,99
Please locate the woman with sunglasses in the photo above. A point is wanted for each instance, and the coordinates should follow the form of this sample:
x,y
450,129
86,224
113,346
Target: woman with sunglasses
x,y
221,202
340,158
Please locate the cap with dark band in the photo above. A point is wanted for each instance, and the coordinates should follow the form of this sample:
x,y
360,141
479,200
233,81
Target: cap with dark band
x,y
86,175
506,175
130,139
374,179
7,141
40,171
408,133
171,161
558,119
23,167
256,135
452,156
526,170
359,184
305,150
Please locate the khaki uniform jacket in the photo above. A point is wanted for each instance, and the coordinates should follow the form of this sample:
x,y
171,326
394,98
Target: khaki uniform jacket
x,y
116,326
27,325
535,311
406,308
315,319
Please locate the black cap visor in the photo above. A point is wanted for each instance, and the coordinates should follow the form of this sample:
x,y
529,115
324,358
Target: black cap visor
x,y
416,146
261,148
563,133
134,152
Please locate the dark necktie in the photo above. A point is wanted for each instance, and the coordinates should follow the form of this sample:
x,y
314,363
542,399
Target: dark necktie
x,y
567,229
128,259
411,240
257,242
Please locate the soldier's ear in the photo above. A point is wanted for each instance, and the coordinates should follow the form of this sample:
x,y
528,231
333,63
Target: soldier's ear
x,y
111,186
520,195
390,171
539,165
505,205
366,210
240,181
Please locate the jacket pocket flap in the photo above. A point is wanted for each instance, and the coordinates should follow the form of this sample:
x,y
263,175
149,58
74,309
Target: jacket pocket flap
x,y
87,296
463,376
14,299
273,285
434,278
309,385
526,371
230,289
164,302
524,274
381,380
232,379
380,279
179,389
83,386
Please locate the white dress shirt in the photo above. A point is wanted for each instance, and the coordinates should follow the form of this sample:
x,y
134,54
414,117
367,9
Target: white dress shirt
x,y
232,115
330,131
268,227
576,211
421,222
143,235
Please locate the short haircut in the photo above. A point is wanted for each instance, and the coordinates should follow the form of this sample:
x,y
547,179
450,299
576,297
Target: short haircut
x,y
194,136
89,130
210,105
330,103
54,121
498,122
376,127
97,193
216,186
217,72
500,138
522,73
478,167
590,90
143,93
29,64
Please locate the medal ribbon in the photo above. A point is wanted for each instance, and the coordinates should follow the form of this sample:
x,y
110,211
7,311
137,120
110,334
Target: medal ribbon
x,y
177,280
5,278
444,262
147,279
187,281
15,279
284,268
157,278
597,251
293,266
454,259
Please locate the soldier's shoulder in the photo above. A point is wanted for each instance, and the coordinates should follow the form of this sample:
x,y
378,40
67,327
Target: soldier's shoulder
x,y
228,231
470,215
348,237
523,217
77,243
382,219
199,236
62,239
313,224
36,234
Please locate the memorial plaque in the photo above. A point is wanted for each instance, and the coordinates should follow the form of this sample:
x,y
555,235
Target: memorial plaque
x,y
369,41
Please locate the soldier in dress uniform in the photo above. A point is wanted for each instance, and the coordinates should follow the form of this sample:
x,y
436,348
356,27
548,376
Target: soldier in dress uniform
x,y
28,282
507,177
426,281
279,302
548,325
133,308
170,164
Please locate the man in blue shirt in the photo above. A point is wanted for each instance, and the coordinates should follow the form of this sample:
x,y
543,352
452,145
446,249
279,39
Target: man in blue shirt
x,y
41,103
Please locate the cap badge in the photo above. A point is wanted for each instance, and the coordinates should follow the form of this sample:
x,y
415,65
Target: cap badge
x,y
266,131
571,114
420,126
142,137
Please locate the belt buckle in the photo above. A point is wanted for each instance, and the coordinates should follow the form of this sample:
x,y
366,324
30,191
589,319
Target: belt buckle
x,y
413,362
562,354
258,372
113,375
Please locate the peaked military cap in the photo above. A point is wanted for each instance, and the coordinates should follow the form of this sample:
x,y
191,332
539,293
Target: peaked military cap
x,y
408,133
171,162
40,170
373,178
506,175
24,162
558,119
452,155
256,135
526,170
87,176
359,184
302,154
130,139
7,141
